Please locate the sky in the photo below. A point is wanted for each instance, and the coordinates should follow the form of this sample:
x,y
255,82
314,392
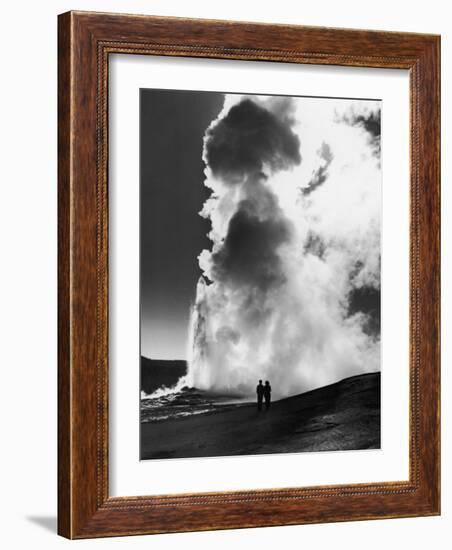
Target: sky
x,y
172,125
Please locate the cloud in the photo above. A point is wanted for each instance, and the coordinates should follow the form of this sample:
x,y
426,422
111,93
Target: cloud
x,y
370,121
291,284
249,254
320,174
249,138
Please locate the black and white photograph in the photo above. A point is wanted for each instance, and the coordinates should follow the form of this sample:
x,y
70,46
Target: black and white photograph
x,y
260,263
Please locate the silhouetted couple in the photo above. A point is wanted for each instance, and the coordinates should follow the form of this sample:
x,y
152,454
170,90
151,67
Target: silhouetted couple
x,y
263,392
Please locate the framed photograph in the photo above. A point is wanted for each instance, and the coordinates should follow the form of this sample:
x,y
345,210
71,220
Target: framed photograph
x,y
249,262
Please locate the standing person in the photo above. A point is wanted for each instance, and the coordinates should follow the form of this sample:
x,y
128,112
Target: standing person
x,y
267,394
260,395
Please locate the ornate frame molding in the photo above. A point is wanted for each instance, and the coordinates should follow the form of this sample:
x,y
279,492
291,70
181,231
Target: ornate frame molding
x,y
85,42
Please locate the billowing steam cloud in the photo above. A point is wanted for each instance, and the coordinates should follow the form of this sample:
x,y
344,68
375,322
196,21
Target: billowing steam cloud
x,y
291,286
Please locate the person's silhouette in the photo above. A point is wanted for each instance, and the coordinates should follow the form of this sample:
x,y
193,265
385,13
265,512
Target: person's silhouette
x,y
260,395
267,394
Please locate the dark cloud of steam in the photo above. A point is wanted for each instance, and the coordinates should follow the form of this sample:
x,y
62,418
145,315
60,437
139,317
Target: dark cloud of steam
x,y
249,255
371,123
315,245
321,174
366,300
250,137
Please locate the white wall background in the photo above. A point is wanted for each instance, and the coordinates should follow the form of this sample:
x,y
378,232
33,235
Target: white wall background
x,y
28,270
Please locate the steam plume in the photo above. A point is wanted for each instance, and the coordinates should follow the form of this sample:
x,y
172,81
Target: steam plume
x,y
291,286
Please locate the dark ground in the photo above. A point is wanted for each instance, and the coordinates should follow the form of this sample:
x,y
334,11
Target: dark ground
x,y
156,373
342,416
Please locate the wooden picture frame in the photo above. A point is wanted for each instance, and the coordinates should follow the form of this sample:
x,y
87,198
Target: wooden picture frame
x,y
85,42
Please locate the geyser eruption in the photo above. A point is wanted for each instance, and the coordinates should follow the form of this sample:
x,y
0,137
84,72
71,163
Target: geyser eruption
x,y
290,287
